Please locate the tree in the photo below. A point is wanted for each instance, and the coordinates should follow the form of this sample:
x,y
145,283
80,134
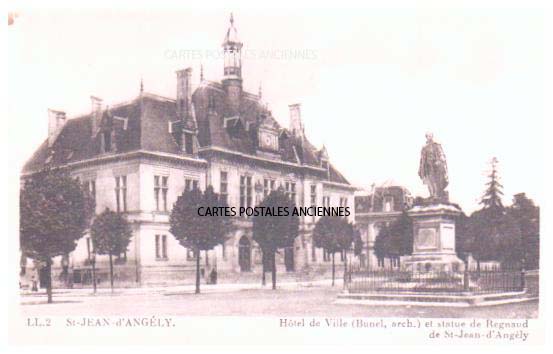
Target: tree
x,y
55,211
463,239
526,216
111,234
401,231
395,240
334,234
487,224
494,190
357,242
200,233
381,243
274,232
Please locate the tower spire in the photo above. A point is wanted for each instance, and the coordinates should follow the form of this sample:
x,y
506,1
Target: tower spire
x,y
232,77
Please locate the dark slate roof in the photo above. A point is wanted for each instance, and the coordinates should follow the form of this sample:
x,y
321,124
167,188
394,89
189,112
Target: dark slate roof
x,y
148,129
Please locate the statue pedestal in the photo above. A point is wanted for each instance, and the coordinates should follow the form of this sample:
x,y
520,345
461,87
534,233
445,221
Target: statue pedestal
x,y
434,239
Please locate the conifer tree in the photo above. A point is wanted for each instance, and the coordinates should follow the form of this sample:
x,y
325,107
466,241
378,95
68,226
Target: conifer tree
x,y
494,192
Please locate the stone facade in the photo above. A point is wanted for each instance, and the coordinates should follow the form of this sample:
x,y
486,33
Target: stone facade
x,y
137,157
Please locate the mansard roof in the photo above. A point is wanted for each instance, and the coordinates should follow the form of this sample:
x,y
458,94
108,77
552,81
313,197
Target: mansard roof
x,y
147,128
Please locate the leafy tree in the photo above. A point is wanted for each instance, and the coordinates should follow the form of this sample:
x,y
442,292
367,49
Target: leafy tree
x,y
200,233
526,215
111,234
401,231
357,242
381,243
488,224
55,211
333,234
463,239
274,232
395,240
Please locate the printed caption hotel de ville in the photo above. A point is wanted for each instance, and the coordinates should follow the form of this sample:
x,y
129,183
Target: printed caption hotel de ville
x,y
382,215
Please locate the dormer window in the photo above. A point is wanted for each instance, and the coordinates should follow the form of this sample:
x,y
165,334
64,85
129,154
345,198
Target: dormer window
x,y
188,143
324,164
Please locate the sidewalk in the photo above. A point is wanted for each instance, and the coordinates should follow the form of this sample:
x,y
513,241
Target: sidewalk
x,y
28,296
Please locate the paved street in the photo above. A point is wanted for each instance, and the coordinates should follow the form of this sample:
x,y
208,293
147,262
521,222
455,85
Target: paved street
x,y
314,300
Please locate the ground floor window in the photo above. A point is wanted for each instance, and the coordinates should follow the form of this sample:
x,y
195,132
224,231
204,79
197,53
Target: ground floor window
x,y
245,254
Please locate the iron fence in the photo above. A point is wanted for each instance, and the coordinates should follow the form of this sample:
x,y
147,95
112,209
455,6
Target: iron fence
x,y
402,281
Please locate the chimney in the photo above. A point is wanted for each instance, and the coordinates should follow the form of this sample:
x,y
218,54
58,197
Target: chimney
x,y
56,121
96,113
296,124
184,92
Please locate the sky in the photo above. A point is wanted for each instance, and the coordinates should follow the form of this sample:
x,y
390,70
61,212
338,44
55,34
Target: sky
x,y
371,81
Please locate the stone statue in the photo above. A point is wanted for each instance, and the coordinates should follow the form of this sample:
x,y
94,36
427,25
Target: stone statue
x,y
433,169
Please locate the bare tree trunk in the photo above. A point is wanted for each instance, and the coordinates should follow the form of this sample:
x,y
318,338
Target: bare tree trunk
x,y
274,270
263,262
49,280
94,273
198,271
111,271
333,268
345,268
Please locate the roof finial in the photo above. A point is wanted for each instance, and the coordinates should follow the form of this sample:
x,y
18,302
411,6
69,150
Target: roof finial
x,y
260,93
201,72
141,85
231,19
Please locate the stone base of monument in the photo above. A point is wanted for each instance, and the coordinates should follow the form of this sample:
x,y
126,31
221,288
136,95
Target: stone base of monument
x,y
434,239
433,299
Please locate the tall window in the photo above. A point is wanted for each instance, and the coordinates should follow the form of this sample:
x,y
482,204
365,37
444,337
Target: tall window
x,y
313,195
313,198
245,191
161,246
90,187
121,193
190,184
268,186
326,201
291,190
388,203
343,201
223,189
161,187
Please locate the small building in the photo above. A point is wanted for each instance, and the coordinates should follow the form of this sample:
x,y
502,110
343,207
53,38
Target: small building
x,y
381,206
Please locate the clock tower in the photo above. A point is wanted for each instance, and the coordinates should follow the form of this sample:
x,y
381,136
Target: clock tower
x,y
232,79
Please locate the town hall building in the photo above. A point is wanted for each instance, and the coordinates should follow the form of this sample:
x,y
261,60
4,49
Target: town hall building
x,y
137,157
